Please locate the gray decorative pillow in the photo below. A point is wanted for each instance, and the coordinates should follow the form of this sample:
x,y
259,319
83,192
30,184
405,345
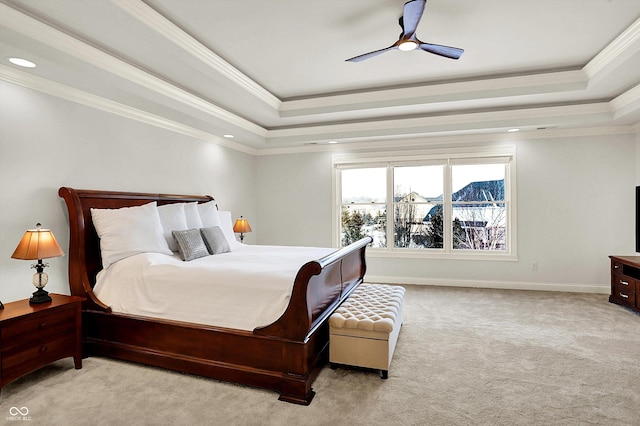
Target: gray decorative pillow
x,y
190,244
214,240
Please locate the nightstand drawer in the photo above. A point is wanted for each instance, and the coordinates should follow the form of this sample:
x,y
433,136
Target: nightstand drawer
x,y
20,361
37,329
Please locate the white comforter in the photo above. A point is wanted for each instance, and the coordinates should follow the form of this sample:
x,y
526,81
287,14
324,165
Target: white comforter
x,y
247,288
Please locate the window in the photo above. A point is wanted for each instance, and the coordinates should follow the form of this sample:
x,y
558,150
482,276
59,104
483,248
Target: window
x,y
364,207
478,207
417,196
455,205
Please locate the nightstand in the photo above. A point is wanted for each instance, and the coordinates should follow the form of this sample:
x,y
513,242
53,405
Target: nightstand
x,y
32,336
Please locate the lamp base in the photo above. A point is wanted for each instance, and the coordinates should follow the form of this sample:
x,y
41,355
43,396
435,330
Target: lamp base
x,y
40,296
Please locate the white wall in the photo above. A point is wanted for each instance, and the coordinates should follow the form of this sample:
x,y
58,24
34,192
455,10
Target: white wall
x,y
575,207
294,199
575,195
46,142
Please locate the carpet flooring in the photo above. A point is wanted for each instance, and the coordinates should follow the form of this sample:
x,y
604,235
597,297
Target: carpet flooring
x,y
464,357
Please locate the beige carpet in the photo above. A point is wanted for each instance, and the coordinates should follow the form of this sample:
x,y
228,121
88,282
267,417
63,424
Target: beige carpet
x,y
464,357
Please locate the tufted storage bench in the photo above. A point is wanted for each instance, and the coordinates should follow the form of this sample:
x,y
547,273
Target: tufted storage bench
x,y
364,329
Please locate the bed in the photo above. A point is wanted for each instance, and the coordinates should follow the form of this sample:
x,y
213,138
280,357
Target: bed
x,y
284,356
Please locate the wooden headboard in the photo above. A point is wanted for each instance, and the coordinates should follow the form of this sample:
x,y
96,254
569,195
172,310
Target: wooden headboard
x,y
84,245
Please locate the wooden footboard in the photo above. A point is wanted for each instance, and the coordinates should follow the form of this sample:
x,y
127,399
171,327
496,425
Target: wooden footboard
x,y
320,287
285,356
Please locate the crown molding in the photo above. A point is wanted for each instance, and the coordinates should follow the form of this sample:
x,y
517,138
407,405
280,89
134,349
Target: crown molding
x,y
621,48
397,141
429,140
406,134
84,98
56,39
627,102
476,121
498,87
164,27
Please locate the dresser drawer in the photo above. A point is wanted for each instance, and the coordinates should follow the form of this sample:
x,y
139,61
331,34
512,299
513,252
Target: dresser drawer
x,y
19,361
616,267
37,329
624,296
624,283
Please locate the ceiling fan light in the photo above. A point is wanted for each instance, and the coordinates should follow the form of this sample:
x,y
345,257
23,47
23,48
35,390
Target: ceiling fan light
x,y
408,45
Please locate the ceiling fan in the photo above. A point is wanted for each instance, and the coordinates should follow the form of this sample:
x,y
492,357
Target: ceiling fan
x,y
408,41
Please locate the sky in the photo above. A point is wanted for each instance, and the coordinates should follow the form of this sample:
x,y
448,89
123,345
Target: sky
x,y
370,183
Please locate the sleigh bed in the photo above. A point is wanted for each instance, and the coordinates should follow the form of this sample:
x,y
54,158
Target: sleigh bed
x,y
285,356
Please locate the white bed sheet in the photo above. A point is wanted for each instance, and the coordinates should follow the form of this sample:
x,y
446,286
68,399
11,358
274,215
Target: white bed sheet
x,y
247,288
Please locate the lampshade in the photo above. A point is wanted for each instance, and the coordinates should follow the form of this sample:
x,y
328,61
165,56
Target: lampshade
x,y
241,225
37,244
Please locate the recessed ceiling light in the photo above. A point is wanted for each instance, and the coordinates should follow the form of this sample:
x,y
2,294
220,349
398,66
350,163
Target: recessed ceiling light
x,y
228,136
513,130
22,62
333,141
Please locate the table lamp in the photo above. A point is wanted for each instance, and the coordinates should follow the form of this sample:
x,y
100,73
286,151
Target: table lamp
x,y
38,244
241,226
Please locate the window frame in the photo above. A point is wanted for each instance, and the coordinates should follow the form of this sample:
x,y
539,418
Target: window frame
x,y
447,157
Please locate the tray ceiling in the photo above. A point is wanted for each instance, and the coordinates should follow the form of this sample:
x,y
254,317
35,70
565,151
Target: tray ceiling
x,y
274,74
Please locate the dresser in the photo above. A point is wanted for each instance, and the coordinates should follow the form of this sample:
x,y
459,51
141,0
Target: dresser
x,y
625,281
32,336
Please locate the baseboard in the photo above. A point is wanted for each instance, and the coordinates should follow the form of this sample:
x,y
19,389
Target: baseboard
x,y
505,285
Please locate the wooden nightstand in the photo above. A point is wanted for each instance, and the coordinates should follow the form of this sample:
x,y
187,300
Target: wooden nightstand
x,y
32,336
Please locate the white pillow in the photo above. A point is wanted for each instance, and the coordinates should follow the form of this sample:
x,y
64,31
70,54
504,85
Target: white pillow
x,y
192,215
129,230
226,223
172,218
209,214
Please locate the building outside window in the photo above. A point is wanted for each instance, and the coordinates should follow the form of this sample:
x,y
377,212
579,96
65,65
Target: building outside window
x,y
440,204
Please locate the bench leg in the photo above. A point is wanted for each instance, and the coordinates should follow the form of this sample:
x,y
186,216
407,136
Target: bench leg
x,y
384,374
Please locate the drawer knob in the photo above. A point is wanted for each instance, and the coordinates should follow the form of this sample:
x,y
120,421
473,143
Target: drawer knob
x,y
43,349
43,325
616,266
624,283
624,296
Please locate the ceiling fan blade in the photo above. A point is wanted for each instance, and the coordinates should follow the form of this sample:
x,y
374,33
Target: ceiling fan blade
x,y
370,54
446,51
411,16
413,11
